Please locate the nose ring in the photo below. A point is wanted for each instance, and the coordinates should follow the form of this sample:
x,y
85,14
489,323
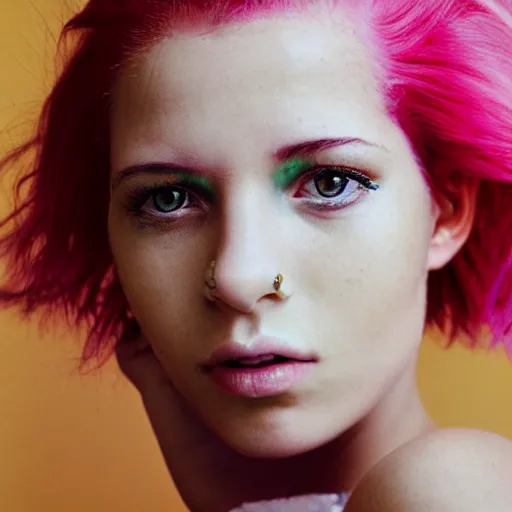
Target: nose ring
x,y
278,281
210,282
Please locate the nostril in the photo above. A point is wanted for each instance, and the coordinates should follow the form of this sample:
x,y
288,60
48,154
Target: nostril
x,y
270,296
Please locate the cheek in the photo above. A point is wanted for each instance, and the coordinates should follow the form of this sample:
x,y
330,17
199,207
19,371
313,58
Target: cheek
x,y
380,252
162,278
369,275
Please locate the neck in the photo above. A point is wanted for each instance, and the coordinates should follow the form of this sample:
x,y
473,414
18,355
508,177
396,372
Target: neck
x,y
339,465
397,419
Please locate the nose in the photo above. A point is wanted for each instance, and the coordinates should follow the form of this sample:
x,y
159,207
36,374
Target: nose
x,y
248,262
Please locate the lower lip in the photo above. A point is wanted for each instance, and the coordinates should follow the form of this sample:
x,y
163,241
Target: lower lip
x,y
260,382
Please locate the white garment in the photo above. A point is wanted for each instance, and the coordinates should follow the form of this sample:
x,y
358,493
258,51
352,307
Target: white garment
x,y
311,503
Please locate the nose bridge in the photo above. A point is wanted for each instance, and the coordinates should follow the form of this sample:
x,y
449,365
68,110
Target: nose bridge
x,y
246,259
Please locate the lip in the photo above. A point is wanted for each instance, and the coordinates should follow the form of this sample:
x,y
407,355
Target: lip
x,y
258,381
259,347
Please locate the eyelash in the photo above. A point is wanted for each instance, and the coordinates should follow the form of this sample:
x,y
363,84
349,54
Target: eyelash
x,y
137,199
195,196
365,184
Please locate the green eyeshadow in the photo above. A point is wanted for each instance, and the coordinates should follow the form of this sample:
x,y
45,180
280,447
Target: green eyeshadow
x,y
290,170
197,182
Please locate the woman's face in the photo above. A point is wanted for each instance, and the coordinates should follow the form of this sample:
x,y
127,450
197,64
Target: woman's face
x,y
232,121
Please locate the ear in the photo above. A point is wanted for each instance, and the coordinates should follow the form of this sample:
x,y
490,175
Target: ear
x,y
454,214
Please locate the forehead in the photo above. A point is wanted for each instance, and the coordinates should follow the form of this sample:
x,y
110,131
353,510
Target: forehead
x,y
262,77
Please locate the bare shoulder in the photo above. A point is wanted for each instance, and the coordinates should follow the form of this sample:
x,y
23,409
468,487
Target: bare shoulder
x,y
449,470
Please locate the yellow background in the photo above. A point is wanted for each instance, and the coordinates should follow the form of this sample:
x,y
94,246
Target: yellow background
x,y
82,444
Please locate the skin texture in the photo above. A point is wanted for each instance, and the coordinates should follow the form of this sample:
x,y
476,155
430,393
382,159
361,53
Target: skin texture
x,y
225,104
447,471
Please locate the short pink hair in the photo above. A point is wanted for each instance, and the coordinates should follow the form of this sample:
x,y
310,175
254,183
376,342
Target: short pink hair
x,y
446,72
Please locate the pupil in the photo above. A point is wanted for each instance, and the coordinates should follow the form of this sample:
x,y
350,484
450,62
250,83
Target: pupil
x,y
330,183
169,200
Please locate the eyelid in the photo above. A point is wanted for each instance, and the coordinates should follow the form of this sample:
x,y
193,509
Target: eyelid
x,y
363,179
183,182
137,200
362,183
292,170
288,172
198,183
358,176
176,178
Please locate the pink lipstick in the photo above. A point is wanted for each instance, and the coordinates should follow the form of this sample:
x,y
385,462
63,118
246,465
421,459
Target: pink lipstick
x,y
266,368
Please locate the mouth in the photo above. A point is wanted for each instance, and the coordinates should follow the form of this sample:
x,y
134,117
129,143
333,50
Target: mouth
x,y
259,361
266,369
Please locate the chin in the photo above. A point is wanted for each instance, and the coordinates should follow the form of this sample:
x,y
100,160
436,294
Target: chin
x,y
281,435
271,447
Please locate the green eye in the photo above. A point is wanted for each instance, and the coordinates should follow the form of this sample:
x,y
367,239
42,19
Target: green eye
x,y
169,200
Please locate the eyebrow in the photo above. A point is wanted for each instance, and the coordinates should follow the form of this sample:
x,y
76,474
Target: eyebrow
x,y
282,154
310,147
160,168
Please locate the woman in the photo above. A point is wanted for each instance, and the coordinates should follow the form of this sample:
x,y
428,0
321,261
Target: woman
x,y
262,206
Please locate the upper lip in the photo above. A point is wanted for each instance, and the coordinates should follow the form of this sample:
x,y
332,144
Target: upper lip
x,y
259,347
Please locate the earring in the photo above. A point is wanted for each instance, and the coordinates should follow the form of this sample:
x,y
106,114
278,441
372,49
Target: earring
x,y
442,236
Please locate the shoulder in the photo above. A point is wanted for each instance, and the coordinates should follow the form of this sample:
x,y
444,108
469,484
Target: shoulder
x,y
449,470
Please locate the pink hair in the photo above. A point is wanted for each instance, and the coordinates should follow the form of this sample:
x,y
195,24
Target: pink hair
x,y
446,73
